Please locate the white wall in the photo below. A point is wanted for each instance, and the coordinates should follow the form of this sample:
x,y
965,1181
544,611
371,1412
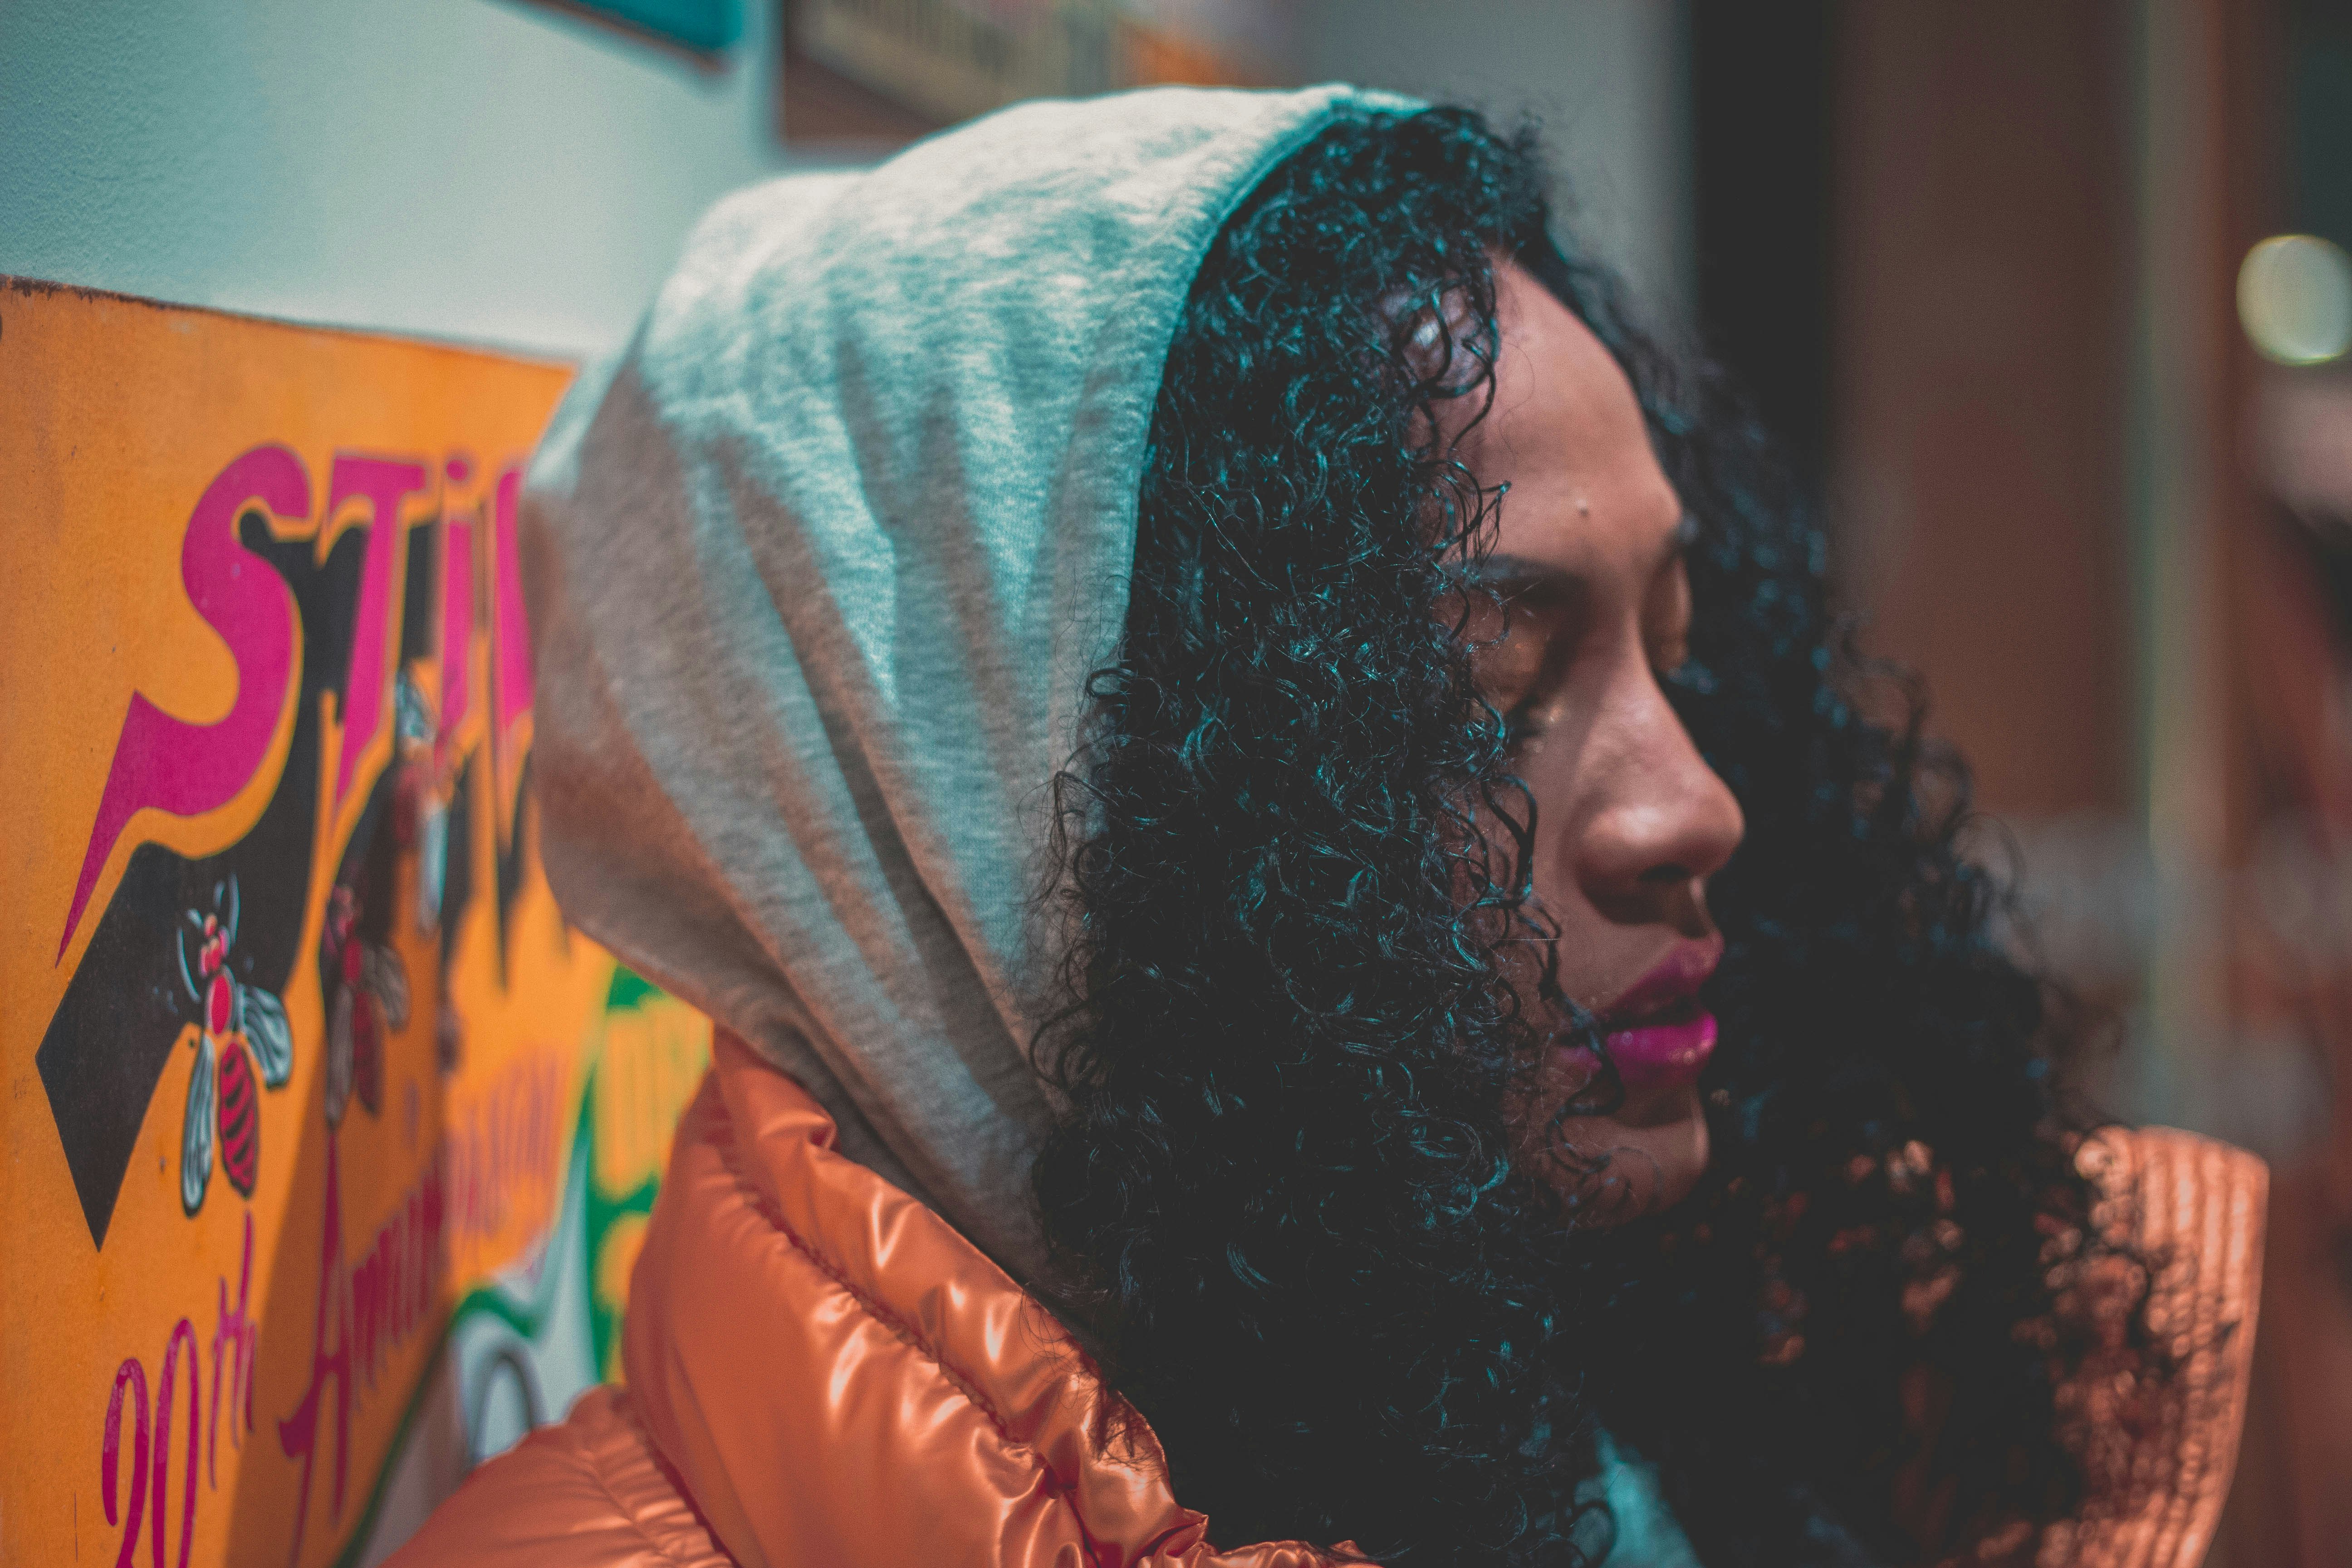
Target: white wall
x,y
498,171
1606,79
504,172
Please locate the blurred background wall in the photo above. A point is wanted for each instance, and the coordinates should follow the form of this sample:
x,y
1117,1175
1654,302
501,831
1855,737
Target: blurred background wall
x,y
2047,302
1994,271
522,174
1609,84
510,173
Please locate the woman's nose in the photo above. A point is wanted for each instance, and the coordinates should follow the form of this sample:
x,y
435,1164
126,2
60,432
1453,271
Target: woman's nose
x,y
1666,821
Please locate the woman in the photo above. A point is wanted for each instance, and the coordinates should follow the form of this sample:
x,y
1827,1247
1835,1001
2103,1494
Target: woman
x,y
1316,956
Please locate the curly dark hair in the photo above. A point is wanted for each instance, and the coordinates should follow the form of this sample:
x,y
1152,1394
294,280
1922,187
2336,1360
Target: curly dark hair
x,y
1292,851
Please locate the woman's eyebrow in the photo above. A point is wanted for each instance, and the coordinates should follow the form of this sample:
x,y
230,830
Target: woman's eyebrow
x,y
1500,571
1503,570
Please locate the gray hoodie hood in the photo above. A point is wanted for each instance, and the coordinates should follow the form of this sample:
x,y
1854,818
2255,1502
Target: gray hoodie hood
x,y
817,572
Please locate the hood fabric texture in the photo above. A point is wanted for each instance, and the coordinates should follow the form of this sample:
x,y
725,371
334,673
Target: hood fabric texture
x,y
816,574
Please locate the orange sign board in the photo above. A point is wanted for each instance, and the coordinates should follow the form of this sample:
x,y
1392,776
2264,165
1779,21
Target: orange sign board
x,y
327,1143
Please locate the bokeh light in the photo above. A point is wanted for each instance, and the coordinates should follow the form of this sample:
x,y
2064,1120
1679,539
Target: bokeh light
x,y
2294,299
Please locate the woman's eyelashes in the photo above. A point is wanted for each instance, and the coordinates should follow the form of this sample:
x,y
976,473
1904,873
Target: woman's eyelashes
x,y
1517,652
1667,619
1519,724
1527,671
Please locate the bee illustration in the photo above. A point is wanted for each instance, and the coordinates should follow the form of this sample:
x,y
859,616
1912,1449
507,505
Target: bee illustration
x,y
241,1031
367,1002
421,828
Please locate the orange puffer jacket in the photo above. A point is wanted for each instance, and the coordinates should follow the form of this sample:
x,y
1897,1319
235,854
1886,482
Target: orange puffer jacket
x,y
822,1372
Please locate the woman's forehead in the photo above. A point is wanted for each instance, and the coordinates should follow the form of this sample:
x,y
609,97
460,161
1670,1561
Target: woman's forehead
x,y
1567,434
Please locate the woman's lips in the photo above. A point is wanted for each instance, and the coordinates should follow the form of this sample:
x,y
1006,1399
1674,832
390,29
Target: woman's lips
x,y
1664,1052
1657,1035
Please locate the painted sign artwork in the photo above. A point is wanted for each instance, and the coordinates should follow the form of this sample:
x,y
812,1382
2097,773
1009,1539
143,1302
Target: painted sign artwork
x,y
328,1145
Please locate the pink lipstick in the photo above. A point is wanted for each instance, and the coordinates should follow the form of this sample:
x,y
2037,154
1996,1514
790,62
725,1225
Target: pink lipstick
x,y
1657,1034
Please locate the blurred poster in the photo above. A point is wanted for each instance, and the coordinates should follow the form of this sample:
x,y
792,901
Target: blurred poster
x,y
328,1145
892,69
706,26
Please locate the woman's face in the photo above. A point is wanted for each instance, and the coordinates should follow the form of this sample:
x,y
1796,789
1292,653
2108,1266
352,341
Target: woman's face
x,y
1630,822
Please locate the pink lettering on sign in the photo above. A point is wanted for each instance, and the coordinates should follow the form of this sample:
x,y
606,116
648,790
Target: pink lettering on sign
x,y
367,1309
188,769
183,1335
385,482
131,1375
234,1340
298,1435
150,1480
510,632
456,632
505,1150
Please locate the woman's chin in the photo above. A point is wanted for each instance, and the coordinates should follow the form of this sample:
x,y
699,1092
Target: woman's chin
x,y
1651,1154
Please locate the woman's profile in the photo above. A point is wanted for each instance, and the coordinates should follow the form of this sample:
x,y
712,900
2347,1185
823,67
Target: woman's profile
x,y
1318,952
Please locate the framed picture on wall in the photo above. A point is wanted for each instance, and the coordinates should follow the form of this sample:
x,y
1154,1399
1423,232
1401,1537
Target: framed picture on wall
x,y
704,27
881,72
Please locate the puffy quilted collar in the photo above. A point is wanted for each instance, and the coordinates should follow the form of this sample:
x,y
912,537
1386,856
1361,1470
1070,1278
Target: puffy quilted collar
x,y
838,1376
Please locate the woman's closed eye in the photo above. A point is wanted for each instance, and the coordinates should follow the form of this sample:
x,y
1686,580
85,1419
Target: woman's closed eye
x,y
1666,617
1667,632
1527,635
1521,633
